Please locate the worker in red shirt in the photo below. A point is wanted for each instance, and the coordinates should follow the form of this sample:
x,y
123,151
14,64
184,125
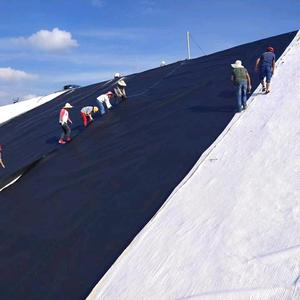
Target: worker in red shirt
x,y
64,119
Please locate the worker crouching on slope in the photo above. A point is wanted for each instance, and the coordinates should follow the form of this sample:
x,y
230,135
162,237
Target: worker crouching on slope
x,y
241,79
105,99
265,64
86,114
119,90
64,119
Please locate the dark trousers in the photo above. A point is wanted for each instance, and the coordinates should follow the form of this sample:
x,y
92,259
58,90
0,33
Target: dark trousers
x,y
66,131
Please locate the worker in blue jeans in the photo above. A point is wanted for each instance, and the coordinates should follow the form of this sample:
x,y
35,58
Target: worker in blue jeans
x,y
265,65
242,82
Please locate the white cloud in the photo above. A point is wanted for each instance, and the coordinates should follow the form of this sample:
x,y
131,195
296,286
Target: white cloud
x,y
9,74
46,40
98,3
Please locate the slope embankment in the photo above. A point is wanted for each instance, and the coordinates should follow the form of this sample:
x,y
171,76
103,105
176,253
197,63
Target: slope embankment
x,y
66,221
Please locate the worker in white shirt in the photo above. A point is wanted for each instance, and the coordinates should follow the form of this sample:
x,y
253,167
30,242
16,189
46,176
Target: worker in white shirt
x,y
86,114
64,119
104,99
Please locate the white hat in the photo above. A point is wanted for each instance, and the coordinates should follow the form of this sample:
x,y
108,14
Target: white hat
x,y
68,105
121,82
237,64
117,75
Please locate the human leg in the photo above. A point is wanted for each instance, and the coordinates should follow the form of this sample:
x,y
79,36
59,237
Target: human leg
x,y
239,96
268,78
102,108
262,75
68,132
63,135
83,116
244,93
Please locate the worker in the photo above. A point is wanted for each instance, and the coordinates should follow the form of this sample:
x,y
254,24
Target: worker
x,y
1,161
105,98
265,65
120,89
242,82
64,119
86,114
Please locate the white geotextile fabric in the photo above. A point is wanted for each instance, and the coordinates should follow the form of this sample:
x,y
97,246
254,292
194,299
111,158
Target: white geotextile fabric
x,y
10,111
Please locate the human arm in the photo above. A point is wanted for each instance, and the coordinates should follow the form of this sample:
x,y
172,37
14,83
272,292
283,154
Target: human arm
x,y
107,102
257,64
249,82
273,65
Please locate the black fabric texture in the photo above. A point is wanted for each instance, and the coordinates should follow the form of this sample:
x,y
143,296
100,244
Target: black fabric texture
x,y
78,206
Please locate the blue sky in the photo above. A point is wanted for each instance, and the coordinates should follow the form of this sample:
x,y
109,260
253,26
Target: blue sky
x,y
47,44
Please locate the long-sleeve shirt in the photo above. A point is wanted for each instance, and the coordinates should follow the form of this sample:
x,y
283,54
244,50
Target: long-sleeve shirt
x,y
120,91
63,116
104,98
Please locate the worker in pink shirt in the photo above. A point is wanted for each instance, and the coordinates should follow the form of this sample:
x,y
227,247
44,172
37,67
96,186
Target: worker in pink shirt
x,y
64,119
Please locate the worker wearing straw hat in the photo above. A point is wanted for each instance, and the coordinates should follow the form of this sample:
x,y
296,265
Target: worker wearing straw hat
x,y
241,80
119,90
64,119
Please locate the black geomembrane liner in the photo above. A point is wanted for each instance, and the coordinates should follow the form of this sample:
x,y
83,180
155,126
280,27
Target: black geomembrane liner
x,y
78,206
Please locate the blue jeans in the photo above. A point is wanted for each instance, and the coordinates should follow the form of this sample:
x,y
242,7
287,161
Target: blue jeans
x,y
102,108
265,71
241,93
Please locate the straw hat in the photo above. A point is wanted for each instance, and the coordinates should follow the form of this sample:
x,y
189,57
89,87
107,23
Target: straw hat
x,y
121,82
237,64
68,105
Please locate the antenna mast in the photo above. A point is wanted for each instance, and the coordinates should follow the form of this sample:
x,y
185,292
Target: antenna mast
x,y
188,44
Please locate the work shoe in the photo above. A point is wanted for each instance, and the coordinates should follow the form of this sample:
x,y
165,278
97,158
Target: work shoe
x,y
245,106
69,139
263,89
61,141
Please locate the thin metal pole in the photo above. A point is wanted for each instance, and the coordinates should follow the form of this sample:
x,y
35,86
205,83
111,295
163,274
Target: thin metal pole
x,y
188,44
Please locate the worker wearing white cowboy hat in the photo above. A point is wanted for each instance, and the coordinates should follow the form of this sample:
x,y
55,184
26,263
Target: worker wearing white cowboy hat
x,y
104,98
241,79
120,89
63,120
